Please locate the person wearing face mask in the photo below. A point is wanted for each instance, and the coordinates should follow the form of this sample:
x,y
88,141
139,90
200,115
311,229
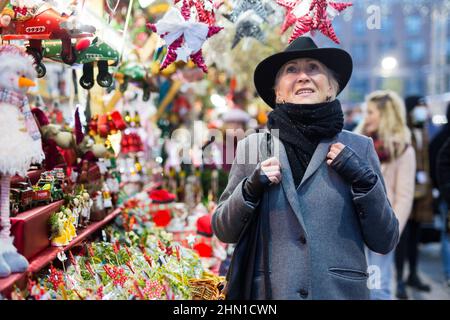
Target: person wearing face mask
x,y
422,211
443,174
304,199
353,117
385,122
440,204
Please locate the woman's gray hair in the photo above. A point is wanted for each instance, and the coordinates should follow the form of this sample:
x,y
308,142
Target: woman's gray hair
x,y
331,75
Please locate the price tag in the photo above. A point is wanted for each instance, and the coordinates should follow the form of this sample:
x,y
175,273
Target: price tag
x,y
162,261
107,163
74,176
102,167
107,203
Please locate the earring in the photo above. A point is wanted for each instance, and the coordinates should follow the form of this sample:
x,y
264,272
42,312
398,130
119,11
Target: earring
x,y
328,99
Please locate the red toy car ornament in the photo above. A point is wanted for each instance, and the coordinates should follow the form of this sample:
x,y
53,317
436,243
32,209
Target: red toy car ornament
x,y
45,24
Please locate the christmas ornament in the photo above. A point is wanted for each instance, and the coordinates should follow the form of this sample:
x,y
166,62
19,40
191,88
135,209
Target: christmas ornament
x,y
112,7
244,5
184,38
311,15
248,25
203,9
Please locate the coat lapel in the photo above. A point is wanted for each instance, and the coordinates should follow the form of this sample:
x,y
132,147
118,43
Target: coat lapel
x,y
287,181
319,156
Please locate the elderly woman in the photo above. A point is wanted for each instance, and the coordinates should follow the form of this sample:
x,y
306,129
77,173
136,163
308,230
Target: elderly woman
x,y
303,202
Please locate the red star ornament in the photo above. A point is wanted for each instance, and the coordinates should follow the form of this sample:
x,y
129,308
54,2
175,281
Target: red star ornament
x,y
311,15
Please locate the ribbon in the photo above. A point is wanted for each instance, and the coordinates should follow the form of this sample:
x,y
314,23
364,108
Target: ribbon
x,y
173,26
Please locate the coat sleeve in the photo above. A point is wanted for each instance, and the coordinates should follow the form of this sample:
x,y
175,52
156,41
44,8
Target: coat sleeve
x,y
404,186
443,171
379,224
233,212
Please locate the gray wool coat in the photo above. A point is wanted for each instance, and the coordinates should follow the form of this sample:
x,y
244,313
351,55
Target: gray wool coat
x,y
318,231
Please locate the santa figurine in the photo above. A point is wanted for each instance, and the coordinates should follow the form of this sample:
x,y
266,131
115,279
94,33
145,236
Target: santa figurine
x,y
20,142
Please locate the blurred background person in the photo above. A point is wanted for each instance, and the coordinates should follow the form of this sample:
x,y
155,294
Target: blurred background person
x,y
440,205
234,126
418,120
352,117
385,123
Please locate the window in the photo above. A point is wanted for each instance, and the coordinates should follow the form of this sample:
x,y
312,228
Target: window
x,y
415,51
360,52
387,24
386,46
359,27
414,85
413,24
359,88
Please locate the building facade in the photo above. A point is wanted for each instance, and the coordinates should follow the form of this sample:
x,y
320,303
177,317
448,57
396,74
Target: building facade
x,y
416,33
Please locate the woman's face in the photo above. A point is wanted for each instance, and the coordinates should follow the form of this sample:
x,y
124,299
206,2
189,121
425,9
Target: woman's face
x,y
373,116
303,81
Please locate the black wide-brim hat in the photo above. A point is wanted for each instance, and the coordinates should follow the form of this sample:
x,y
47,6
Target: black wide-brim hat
x,y
337,60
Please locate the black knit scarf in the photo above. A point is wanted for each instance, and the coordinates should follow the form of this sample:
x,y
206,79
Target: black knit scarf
x,y
302,127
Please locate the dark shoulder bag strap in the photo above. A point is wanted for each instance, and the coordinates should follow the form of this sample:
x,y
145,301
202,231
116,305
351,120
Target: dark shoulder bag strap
x,y
265,229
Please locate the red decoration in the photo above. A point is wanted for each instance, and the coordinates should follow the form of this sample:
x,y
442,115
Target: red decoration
x,y
178,26
162,218
20,11
318,17
204,15
56,277
116,274
204,225
131,142
161,196
82,44
153,289
204,250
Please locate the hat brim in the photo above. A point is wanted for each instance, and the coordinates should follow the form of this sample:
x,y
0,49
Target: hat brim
x,y
335,59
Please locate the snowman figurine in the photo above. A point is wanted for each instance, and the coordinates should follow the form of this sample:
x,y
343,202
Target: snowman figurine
x,y
20,143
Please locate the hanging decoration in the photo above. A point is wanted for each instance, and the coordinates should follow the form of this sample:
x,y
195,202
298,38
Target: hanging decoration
x,y
248,25
245,5
311,15
204,10
184,38
112,7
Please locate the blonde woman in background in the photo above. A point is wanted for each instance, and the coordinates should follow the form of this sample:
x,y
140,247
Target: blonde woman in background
x,y
385,123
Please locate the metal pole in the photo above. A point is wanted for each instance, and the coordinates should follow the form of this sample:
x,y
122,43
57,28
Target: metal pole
x,y
125,31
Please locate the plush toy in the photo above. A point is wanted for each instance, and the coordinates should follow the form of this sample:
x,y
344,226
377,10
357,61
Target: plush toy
x,y
19,10
52,137
6,13
71,145
20,142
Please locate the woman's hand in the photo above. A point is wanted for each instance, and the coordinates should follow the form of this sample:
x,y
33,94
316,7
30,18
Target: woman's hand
x,y
351,167
266,173
335,149
271,168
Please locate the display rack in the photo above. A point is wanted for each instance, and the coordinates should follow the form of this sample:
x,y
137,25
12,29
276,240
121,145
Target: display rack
x,y
48,255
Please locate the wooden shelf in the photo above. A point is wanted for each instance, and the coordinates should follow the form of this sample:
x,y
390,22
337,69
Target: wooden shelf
x,y
48,255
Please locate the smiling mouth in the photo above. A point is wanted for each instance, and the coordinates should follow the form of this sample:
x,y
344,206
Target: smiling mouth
x,y
303,91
